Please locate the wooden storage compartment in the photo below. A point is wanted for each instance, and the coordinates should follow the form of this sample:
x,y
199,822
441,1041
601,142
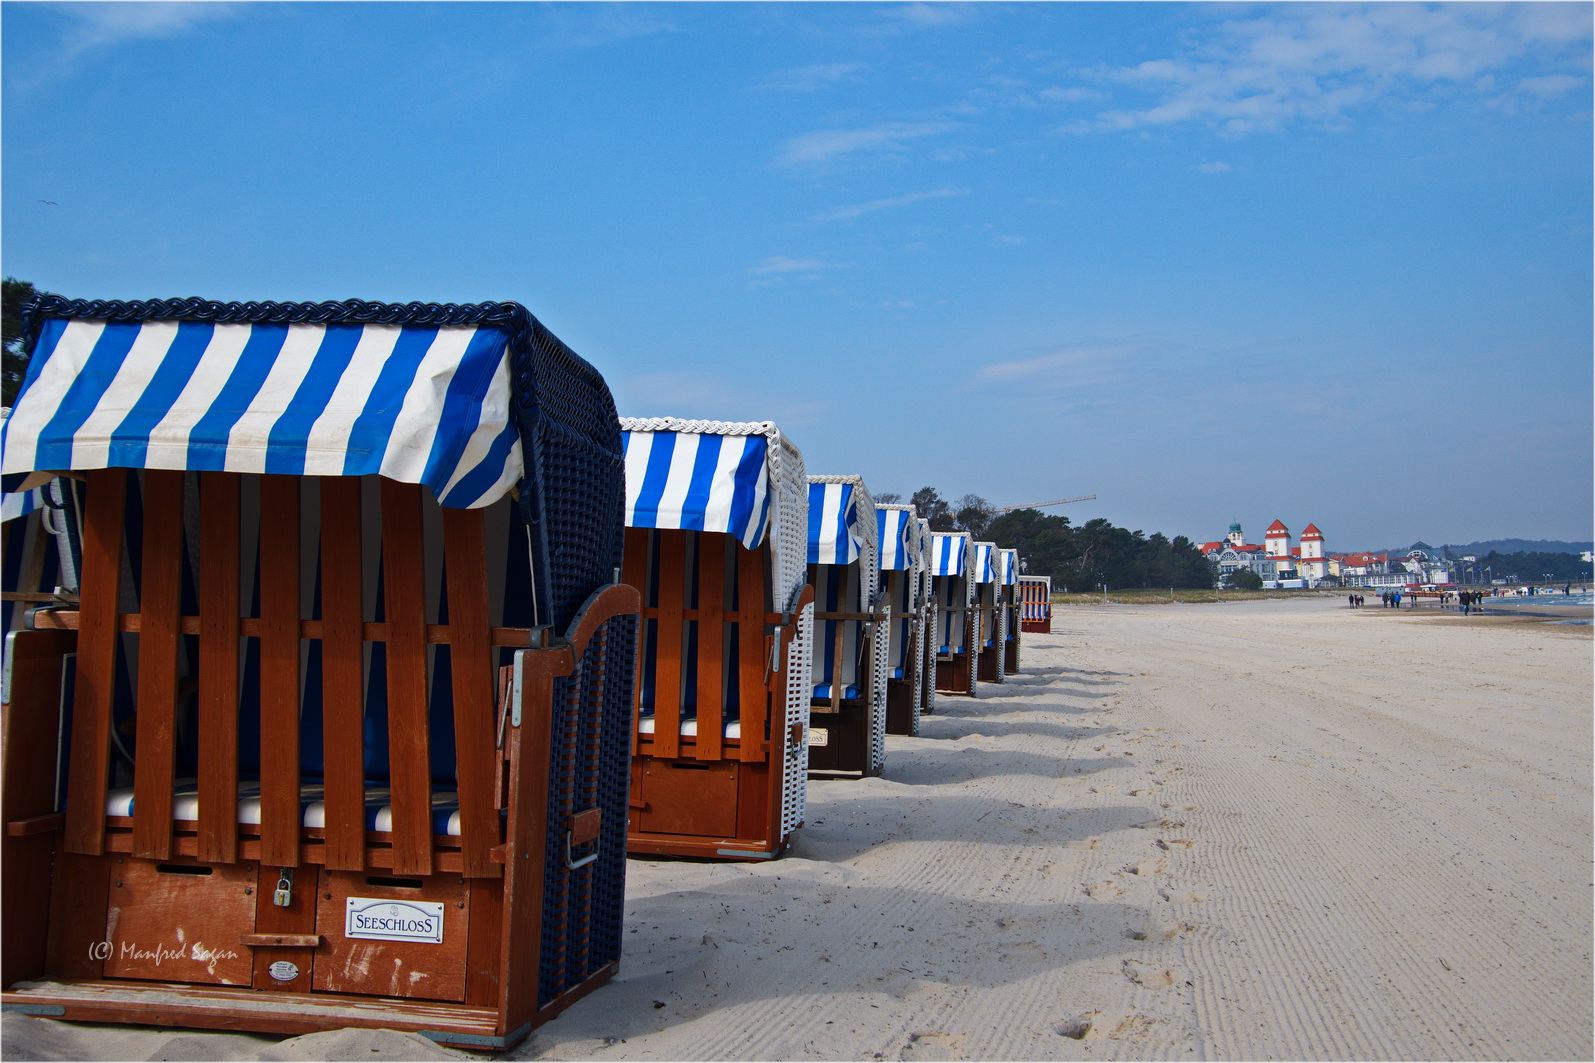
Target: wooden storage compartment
x,y
419,908
178,920
689,797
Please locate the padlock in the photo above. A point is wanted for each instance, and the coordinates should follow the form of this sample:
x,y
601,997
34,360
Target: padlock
x,y
284,895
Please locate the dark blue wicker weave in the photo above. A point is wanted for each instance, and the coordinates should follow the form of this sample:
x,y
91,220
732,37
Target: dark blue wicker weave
x,y
590,767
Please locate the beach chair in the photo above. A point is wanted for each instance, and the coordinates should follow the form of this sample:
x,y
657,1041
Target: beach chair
x,y
904,587
337,732
1009,595
953,586
852,631
929,644
989,610
717,542
1035,603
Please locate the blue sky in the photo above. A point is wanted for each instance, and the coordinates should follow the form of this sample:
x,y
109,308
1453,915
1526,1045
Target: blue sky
x,y
1318,262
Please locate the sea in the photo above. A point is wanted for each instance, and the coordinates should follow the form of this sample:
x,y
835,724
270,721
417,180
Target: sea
x,y
1534,604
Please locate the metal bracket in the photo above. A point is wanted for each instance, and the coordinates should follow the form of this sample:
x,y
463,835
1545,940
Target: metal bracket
x,y
572,861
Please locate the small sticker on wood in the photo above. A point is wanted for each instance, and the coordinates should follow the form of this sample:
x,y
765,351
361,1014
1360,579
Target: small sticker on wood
x,y
385,919
283,971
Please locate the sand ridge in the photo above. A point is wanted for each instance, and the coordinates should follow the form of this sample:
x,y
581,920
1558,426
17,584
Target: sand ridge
x,y
1266,830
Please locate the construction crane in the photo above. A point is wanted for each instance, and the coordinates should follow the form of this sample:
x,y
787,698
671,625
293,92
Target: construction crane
x,y
1042,505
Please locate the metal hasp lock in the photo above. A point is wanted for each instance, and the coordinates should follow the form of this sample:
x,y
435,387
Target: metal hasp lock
x,y
283,896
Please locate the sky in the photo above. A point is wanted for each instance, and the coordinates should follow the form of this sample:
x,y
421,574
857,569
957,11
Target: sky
x,y
1209,262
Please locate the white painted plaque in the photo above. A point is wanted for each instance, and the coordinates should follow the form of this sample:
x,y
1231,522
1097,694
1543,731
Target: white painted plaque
x,y
386,919
819,736
283,971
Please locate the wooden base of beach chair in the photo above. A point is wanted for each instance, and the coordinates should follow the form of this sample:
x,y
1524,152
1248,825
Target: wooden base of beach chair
x,y
285,1014
953,675
839,742
714,809
1042,626
1011,656
986,667
900,716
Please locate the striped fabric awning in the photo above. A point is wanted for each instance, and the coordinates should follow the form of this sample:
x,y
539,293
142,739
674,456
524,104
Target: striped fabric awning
x,y
985,563
698,482
424,405
836,532
948,550
1010,567
898,535
14,504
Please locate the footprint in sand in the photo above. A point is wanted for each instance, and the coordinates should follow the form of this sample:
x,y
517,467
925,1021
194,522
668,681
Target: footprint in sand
x,y
1099,890
1141,793
1021,952
1184,896
1158,930
1172,844
1075,1028
1148,976
933,1044
1149,867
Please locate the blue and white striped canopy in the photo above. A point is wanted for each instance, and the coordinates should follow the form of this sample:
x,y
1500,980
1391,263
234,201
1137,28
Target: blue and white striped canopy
x,y
985,563
420,405
836,529
14,504
1010,567
698,482
948,551
898,537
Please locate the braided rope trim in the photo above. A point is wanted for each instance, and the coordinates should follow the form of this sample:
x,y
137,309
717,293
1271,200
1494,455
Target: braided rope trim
x,y
711,428
514,318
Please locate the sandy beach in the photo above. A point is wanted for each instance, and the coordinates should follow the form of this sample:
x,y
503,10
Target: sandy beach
x,y
1270,830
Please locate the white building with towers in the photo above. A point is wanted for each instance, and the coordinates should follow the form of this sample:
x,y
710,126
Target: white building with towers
x,y
1276,561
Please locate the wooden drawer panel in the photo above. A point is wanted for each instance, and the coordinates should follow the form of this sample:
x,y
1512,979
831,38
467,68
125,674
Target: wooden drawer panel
x,y
180,921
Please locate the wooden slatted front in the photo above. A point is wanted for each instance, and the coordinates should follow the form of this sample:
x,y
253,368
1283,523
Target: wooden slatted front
x,y
278,632
730,589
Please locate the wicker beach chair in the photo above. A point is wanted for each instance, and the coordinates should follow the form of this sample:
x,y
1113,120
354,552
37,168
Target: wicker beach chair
x,y
344,715
989,612
716,541
957,629
1009,595
904,585
852,633
1035,603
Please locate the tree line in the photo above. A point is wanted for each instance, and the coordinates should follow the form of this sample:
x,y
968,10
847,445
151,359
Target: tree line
x,y
1531,567
1077,558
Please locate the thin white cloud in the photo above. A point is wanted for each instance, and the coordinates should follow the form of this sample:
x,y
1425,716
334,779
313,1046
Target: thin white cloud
x,y
1211,167
825,145
853,210
1071,360
1319,62
932,15
782,264
1550,85
93,26
815,77
1009,241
